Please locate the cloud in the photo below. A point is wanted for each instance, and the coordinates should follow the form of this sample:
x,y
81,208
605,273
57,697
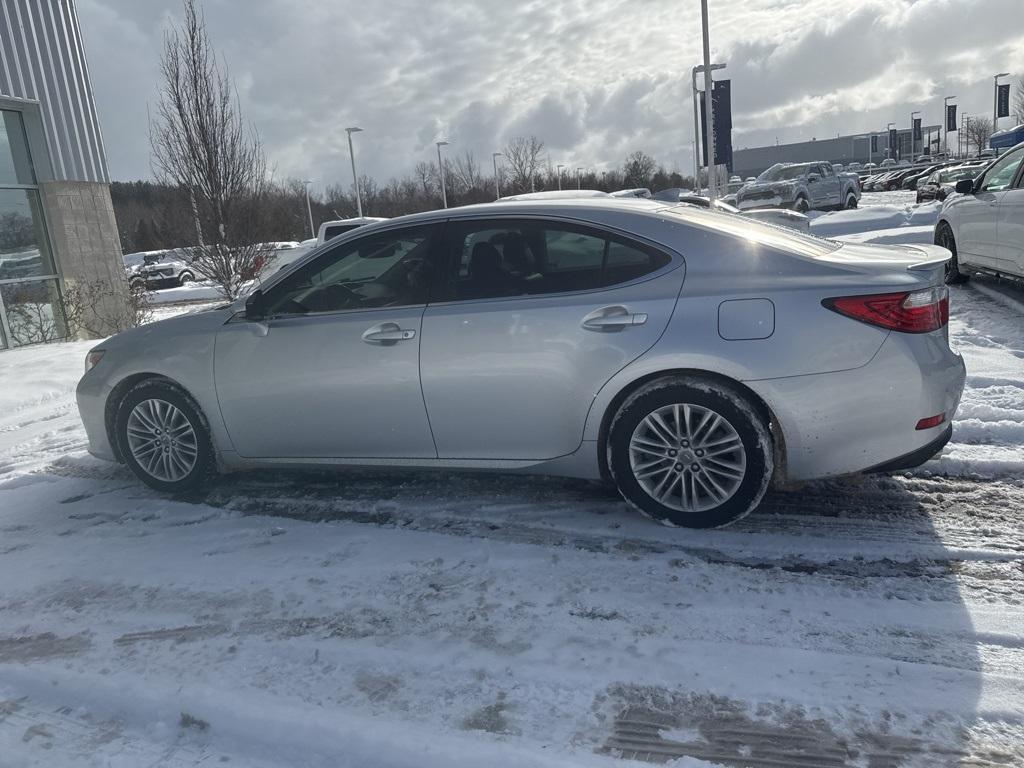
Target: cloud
x,y
594,79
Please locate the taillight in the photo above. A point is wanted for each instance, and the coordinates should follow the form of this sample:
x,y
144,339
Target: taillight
x,y
910,312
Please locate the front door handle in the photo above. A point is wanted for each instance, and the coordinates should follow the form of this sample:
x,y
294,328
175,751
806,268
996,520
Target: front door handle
x,y
613,318
387,333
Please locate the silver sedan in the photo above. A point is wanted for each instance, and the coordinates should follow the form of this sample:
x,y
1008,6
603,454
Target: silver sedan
x,y
688,356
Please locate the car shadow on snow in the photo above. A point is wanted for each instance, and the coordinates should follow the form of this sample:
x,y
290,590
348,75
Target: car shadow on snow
x,y
847,639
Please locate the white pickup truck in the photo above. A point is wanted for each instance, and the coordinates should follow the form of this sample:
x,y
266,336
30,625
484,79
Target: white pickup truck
x,y
802,187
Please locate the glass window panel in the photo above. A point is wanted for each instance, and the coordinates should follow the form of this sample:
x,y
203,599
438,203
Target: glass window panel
x,y
23,245
387,269
15,161
34,311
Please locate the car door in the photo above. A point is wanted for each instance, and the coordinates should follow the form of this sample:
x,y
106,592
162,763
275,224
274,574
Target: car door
x,y
829,185
977,236
333,369
538,315
1010,225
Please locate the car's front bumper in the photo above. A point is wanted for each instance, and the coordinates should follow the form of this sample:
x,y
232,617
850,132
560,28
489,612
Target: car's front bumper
x,y
92,394
858,420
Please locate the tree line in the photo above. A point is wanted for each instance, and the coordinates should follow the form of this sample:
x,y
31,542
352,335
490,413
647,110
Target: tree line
x,y
153,215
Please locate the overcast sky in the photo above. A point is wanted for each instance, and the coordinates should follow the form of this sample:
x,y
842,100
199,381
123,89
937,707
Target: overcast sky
x,y
594,79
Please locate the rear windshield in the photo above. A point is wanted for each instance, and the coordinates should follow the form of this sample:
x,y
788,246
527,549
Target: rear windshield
x,y
757,232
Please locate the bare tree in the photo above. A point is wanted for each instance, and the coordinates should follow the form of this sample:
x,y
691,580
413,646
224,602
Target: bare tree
x,y
465,174
200,143
1018,103
977,132
638,170
426,173
522,161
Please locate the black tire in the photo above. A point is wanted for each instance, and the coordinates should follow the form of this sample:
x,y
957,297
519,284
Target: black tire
x,y
185,278
728,403
944,237
801,205
851,201
168,392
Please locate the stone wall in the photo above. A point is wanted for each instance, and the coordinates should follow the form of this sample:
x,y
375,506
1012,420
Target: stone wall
x,y
86,246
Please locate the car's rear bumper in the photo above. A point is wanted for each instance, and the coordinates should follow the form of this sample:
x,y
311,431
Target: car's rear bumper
x,y
918,457
862,419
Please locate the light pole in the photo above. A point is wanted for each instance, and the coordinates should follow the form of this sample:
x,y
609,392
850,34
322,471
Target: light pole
x,y
309,210
440,169
579,178
912,135
945,125
559,171
995,100
708,108
355,179
890,151
497,187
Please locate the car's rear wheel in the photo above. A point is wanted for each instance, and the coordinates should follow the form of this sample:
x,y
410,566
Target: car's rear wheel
x,y
851,201
690,452
944,237
185,278
163,437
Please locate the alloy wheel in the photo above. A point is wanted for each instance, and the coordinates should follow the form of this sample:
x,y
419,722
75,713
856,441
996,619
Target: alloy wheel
x,y
687,457
162,440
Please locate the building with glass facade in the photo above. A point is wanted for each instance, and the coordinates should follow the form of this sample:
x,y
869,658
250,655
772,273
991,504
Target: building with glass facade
x,y
57,226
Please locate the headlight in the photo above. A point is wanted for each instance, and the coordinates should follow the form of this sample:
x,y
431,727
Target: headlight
x,y
92,358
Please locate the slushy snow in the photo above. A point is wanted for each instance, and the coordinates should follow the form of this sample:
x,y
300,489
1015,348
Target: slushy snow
x,y
434,619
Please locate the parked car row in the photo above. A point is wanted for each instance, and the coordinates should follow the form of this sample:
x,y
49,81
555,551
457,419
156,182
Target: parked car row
x,y
909,176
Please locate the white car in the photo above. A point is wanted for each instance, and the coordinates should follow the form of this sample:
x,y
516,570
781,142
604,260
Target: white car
x,y
983,225
330,229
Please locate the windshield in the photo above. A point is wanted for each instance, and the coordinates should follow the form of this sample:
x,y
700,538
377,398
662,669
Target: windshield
x,y
955,174
754,231
784,172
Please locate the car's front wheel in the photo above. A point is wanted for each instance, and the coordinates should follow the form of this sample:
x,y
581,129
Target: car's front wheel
x,y
163,437
185,278
801,205
690,452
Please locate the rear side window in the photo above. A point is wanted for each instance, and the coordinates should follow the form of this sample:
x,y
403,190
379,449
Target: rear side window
x,y
507,258
340,229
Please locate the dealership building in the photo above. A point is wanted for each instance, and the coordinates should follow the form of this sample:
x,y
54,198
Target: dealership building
x,y
57,227
841,149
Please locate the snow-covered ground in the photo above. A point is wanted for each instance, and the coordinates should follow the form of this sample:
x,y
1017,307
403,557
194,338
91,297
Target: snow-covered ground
x,y
404,619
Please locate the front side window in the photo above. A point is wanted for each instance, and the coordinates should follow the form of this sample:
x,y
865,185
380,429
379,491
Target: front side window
x,y
1000,175
528,258
387,269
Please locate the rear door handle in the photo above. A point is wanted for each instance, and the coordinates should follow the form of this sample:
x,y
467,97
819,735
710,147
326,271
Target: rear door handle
x,y
387,333
613,318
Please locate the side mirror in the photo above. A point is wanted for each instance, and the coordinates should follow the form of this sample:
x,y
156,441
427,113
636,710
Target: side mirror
x,y
965,186
813,178
255,309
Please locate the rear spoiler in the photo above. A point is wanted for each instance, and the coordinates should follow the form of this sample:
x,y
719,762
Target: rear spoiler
x,y
934,256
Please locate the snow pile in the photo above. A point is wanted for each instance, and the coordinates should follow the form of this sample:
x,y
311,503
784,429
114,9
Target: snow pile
x,y
883,224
